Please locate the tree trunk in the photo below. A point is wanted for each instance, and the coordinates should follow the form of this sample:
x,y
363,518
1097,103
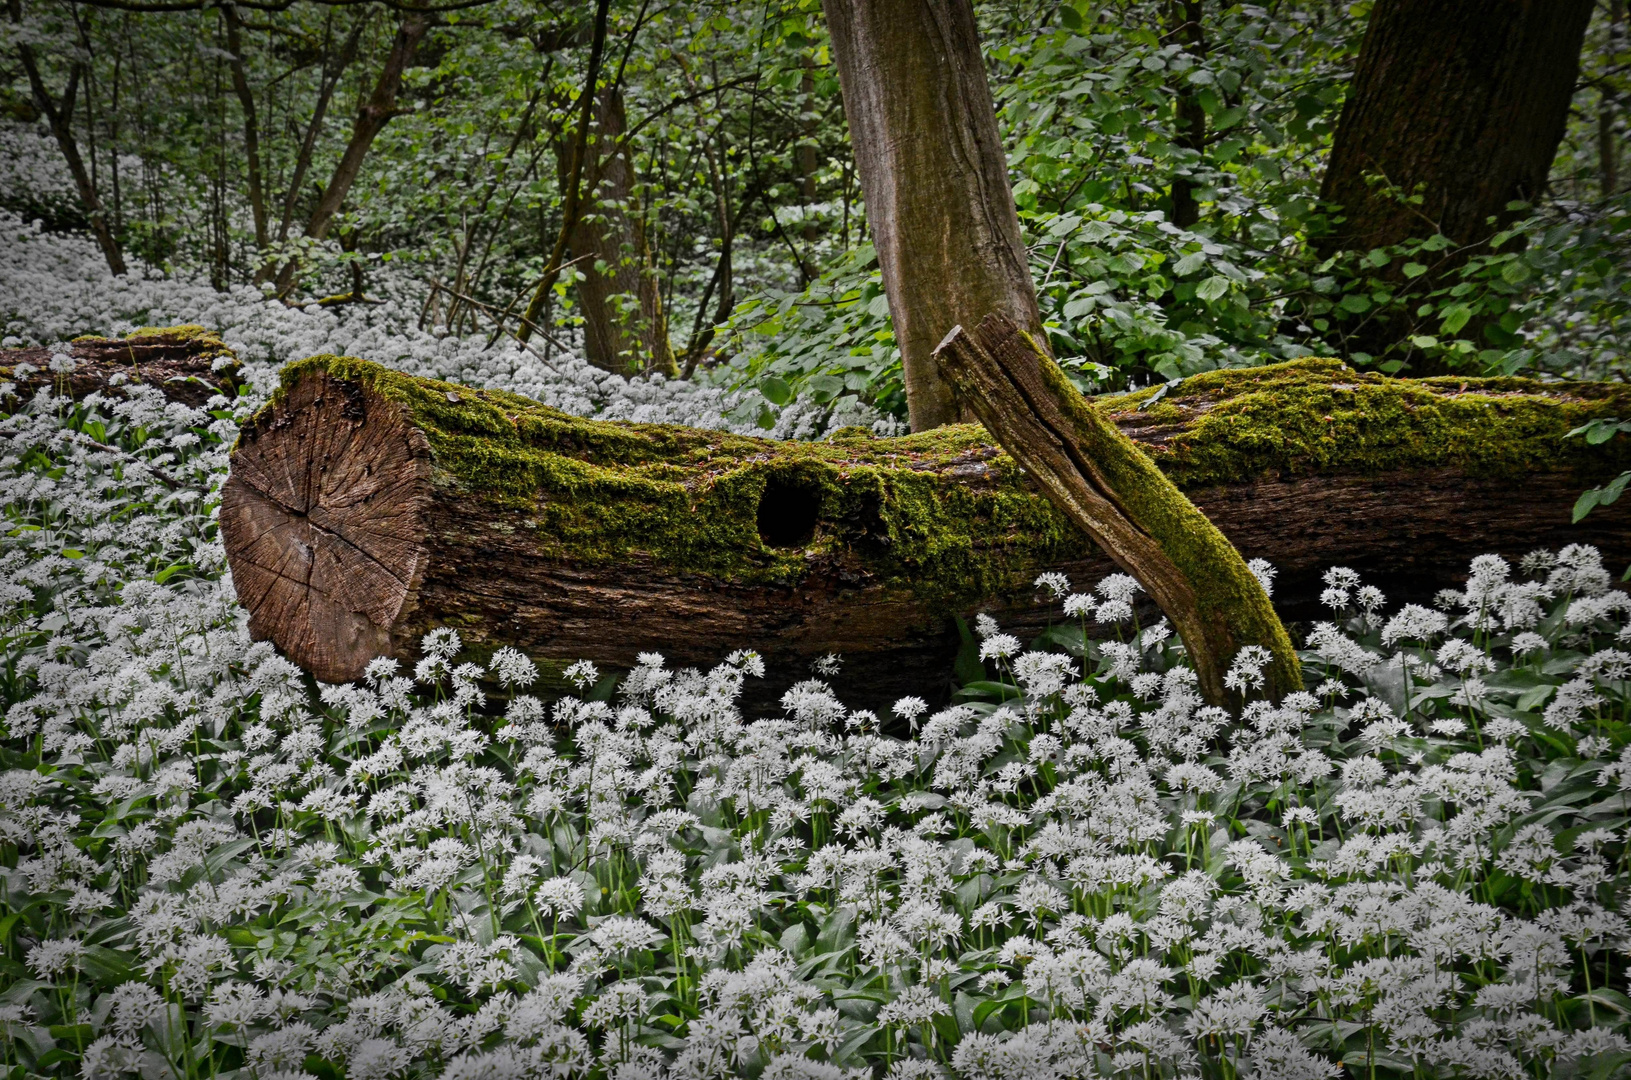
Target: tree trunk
x,y
935,178
188,364
1187,110
252,138
1461,101
585,106
375,113
625,327
61,120
366,507
1120,499
325,94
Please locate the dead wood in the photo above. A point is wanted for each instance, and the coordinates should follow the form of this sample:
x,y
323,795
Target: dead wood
x,y
366,507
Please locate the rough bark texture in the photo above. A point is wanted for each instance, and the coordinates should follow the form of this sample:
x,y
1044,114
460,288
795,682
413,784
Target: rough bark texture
x,y
625,328
188,363
367,506
1098,477
1468,98
935,178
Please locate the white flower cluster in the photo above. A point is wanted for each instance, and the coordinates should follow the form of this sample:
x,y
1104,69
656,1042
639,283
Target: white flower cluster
x,y
1077,869
54,287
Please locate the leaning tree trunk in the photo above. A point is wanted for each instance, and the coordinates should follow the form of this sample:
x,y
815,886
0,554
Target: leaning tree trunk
x,y
366,506
924,132
1115,493
375,112
624,326
1463,100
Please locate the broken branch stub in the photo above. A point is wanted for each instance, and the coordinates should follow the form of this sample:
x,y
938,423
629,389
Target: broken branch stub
x,y
1115,493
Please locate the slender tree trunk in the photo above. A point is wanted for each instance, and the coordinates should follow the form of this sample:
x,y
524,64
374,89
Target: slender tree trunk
x,y
252,143
935,179
625,326
1465,100
61,119
1114,493
375,113
569,193
1191,135
1608,109
325,94
943,218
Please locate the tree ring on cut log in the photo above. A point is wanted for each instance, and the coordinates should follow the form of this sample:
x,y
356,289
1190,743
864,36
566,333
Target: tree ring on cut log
x,y
325,514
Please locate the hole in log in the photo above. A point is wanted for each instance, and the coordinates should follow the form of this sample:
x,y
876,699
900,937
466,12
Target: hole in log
x,y
788,511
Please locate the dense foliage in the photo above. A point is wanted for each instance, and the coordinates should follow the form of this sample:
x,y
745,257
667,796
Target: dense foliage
x,y
212,867
1166,171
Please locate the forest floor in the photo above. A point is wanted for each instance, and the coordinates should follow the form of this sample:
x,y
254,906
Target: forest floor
x,y
212,866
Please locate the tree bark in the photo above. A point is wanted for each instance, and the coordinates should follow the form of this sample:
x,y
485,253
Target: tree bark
x,y
1120,499
371,119
1466,100
935,178
1187,110
366,507
625,327
61,120
188,364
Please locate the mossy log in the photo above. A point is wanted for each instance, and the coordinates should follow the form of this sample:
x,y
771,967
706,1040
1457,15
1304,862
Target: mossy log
x,y
188,364
366,506
1127,506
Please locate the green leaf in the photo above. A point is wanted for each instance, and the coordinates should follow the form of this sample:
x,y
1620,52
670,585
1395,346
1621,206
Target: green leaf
x,y
1355,303
776,390
1424,341
1455,317
1587,502
1414,269
170,571
1534,697
1213,287
1189,263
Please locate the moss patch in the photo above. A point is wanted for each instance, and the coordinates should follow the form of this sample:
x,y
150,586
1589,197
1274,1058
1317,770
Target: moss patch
x,y
1317,415
945,514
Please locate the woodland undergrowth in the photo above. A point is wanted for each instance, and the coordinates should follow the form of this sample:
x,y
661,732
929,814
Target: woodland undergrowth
x,y
212,867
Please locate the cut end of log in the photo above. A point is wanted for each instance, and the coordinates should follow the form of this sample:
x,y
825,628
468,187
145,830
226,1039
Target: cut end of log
x,y
324,515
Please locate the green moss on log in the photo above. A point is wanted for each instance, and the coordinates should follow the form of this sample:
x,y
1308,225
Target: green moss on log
x,y
600,492
1317,415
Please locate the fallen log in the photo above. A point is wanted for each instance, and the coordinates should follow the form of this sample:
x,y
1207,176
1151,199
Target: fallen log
x,y
366,506
188,364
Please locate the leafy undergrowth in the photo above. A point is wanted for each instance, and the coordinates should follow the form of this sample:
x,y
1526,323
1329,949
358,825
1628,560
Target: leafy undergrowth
x,y
211,868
